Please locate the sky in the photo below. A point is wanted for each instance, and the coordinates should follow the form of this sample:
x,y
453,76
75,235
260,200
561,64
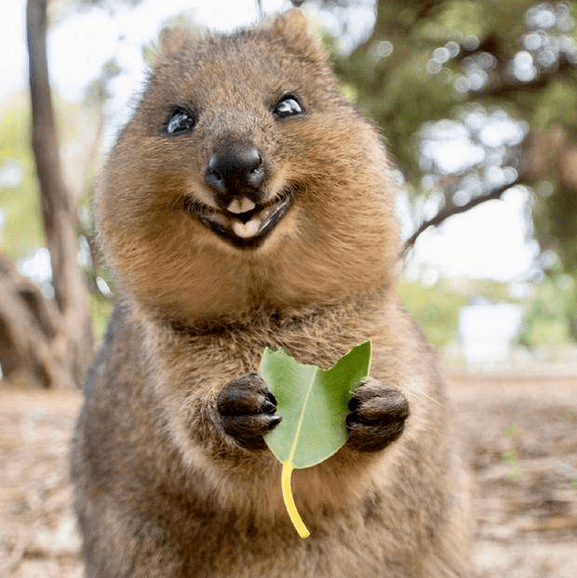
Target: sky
x,y
82,42
490,241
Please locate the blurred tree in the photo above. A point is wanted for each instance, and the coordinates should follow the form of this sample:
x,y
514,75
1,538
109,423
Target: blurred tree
x,y
19,234
436,309
500,79
549,319
49,340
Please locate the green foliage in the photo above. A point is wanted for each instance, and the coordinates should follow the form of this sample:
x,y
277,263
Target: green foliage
x,y
560,209
550,308
401,78
511,458
22,230
556,105
551,313
464,18
436,309
100,310
401,91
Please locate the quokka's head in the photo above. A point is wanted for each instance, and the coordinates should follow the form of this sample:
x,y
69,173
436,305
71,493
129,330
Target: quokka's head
x,y
243,156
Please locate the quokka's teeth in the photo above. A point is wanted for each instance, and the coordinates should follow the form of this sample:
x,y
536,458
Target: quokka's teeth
x,y
248,229
238,206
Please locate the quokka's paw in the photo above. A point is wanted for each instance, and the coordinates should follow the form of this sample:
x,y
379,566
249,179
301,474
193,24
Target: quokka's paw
x,y
247,410
377,417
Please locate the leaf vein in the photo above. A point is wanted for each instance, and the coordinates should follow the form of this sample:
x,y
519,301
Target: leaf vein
x,y
301,417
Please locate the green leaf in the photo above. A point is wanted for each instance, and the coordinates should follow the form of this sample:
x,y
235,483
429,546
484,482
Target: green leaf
x,y
313,404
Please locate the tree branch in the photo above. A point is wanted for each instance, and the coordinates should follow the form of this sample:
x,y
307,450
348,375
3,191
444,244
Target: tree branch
x,y
503,86
447,212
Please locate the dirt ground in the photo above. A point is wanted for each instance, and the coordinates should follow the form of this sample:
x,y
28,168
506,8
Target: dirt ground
x,y
522,440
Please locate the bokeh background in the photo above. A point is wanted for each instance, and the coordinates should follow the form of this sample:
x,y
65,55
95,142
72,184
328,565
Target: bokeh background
x,y
477,102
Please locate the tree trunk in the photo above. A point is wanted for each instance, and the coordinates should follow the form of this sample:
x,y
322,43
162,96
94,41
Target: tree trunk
x,y
32,350
58,209
549,155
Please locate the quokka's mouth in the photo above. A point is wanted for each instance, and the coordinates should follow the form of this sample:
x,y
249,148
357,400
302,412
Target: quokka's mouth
x,y
243,223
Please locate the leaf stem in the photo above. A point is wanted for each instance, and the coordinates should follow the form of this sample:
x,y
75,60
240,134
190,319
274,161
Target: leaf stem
x,y
287,469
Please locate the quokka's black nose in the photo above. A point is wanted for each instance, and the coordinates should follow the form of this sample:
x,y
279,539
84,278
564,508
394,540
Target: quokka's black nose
x,y
235,172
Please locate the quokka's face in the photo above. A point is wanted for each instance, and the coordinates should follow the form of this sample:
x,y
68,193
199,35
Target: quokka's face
x,y
242,151
229,129
241,187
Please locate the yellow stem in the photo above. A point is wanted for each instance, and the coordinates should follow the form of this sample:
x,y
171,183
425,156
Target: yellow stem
x,y
287,495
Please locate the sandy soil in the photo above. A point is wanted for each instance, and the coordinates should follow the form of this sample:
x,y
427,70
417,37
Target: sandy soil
x,y
522,440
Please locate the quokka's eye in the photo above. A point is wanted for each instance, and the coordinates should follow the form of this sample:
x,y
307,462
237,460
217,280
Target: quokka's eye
x,y
180,121
288,105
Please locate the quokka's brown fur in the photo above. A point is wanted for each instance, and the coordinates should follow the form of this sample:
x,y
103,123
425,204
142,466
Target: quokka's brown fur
x,y
171,474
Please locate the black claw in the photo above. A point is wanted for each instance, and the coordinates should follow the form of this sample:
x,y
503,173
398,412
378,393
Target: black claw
x,y
354,403
268,407
274,421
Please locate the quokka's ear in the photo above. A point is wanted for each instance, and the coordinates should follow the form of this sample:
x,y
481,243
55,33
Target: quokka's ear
x,y
293,26
173,40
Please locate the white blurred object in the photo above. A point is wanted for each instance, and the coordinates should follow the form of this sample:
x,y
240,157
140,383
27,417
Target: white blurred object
x,y
487,331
